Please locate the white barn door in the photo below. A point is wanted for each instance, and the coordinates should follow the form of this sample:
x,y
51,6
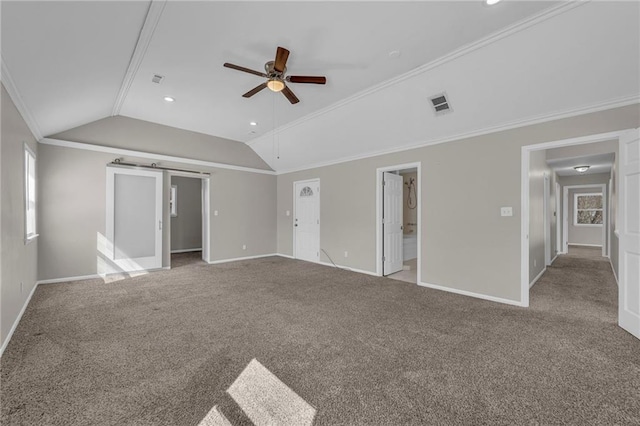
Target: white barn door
x,y
629,228
392,223
306,222
134,219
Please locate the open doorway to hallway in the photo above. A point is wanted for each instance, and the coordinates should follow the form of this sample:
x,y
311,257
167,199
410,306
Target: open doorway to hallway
x,y
613,209
399,219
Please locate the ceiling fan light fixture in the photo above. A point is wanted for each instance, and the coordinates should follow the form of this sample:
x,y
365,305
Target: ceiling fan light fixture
x,y
581,169
275,84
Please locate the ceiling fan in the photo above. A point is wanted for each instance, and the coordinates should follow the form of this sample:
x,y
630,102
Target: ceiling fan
x,y
275,74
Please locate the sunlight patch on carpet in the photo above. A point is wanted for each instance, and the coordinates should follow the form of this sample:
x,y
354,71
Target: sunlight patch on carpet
x,y
266,400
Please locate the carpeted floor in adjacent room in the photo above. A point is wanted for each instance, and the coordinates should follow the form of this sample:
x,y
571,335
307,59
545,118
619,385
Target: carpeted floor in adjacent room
x,y
165,348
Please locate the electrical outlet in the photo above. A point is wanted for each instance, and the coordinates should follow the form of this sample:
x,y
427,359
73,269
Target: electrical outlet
x,y
244,247
288,213
215,212
346,253
506,211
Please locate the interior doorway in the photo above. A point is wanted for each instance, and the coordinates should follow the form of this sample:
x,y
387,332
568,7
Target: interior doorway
x,y
188,218
399,222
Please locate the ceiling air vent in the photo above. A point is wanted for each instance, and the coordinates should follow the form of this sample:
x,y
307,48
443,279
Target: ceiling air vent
x,y
157,78
440,104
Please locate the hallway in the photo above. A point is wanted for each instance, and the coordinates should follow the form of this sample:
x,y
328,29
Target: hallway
x,y
578,285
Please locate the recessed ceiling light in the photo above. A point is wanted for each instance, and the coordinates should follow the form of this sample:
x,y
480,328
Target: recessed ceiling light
x,y
253,123
491,2
394,53
169,99
581,169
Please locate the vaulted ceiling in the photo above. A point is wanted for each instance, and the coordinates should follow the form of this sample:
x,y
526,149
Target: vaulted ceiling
x,y
71,63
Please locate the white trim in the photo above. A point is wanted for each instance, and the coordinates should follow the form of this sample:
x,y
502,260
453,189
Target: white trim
x,y
614,272
236,259
535,280
464,50
206,219
285,255
26,193
554,258
186,250
585,245
347,268
17,321
12,90
144,40
76,278
471,294
149,155
524,200
379,178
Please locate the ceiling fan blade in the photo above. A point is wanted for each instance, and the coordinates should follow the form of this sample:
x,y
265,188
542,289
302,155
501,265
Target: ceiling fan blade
x,y
255,90
307,79
282,55
289,94
239,68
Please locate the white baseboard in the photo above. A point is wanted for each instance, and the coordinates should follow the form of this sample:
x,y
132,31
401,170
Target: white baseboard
x,y
17,321
614,272
554,258
69,279
216,262
586,245
186,250
535,280
348,268
288,256
472,294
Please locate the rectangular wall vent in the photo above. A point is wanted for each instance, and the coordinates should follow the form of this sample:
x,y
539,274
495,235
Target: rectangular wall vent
x,y
441,104
157,78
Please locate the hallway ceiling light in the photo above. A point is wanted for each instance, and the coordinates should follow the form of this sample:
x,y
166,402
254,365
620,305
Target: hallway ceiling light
x,y
492,2
169,99
581,169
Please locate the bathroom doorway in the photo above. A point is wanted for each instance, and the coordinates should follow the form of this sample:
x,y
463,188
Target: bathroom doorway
x,y
398,214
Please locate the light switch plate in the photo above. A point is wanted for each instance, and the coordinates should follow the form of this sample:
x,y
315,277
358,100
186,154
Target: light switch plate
x,y
288,213
215,212
506,211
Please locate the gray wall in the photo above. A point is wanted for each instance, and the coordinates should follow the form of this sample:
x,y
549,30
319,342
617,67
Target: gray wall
x,y
17,259
125,132
72,211
479,254
186,228
584,235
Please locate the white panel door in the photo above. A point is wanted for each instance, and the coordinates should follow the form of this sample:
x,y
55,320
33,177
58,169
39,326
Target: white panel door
x,y
392,223
134,219
307,220
629,228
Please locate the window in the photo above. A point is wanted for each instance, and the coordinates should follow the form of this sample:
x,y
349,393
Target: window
x,y
587,209
29,194
173,201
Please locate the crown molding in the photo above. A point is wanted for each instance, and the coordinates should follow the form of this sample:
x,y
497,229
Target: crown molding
x,y
150,156
464,50
144,40
21,106
573,112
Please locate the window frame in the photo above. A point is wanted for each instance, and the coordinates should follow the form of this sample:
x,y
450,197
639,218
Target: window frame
x,y
575,208
30,236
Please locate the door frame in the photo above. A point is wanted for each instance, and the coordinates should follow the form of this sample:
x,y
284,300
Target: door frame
x,y
206,206
547,219
111,171
379,210
293,221
565,214
524,200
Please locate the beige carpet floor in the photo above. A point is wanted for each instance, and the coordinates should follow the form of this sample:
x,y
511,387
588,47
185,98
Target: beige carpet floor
x,y
164,349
